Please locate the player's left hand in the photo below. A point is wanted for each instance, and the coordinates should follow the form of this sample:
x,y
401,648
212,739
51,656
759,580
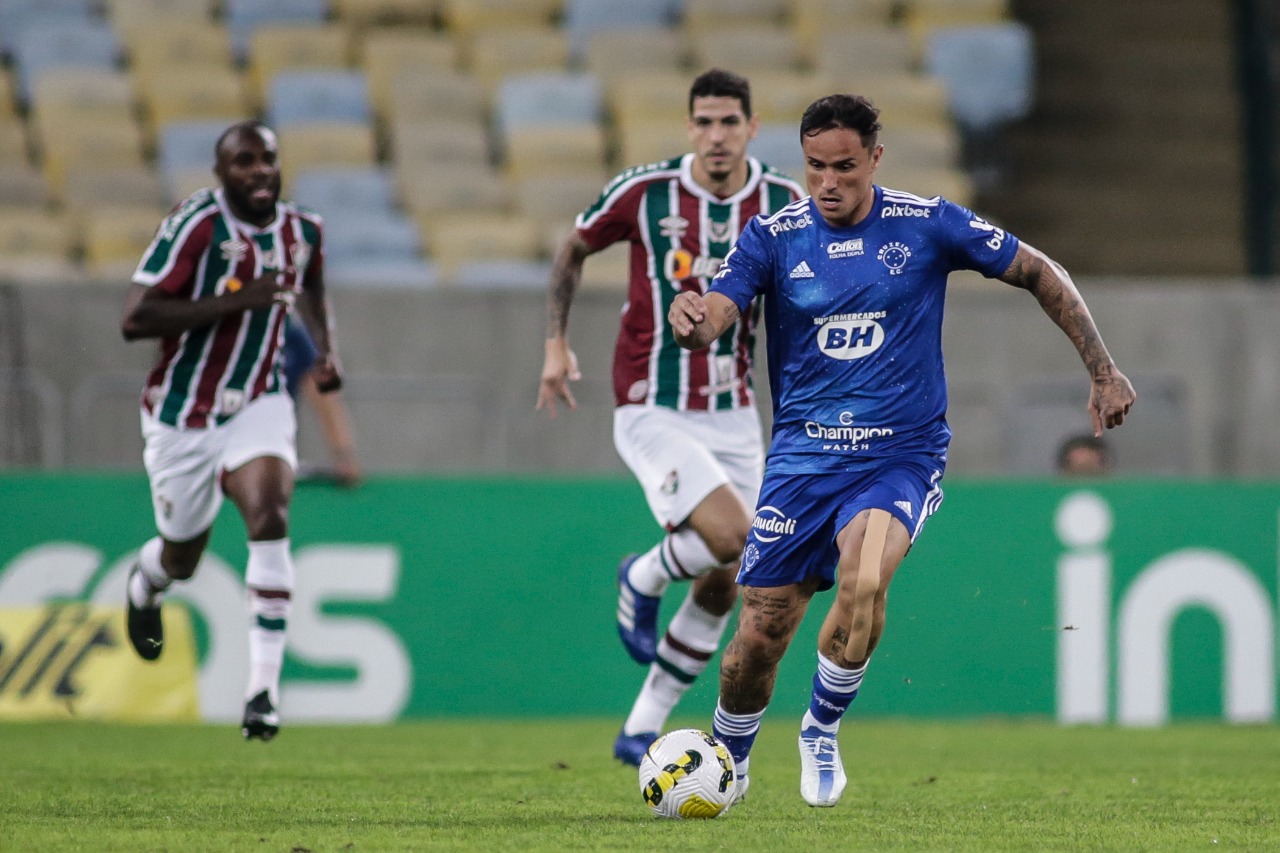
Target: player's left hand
x,y
327,374
1110,399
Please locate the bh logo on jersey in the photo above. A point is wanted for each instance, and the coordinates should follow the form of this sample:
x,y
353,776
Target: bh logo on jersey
x,y
850,339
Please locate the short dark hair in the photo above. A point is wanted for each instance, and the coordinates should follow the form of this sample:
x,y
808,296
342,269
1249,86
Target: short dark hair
x,y
1086,441
851,112
235,130
718,83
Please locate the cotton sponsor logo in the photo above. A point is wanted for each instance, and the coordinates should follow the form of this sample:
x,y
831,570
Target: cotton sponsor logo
x,y
845,249
784,225
771,524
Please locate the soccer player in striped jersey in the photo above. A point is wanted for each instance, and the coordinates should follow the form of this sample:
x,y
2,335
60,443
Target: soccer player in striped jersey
x,y
685,422
216,287
853,279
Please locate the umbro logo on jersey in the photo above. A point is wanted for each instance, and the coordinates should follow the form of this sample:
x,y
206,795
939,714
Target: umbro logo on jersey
x,y
802,270
905,506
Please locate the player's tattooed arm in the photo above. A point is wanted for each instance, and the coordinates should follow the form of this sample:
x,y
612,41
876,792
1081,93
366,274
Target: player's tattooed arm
x,y
1051,285
696,320
566,273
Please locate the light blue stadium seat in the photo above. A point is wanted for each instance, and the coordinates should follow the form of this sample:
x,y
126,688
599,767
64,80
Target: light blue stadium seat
x,y
508,274
325,95
362,235
988,71
777,144
336,190
44,44
381,273
548,98
17,15
244,16
582,18
188,144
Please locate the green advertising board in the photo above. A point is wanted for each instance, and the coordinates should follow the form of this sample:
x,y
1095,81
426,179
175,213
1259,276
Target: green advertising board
x,y
1130,602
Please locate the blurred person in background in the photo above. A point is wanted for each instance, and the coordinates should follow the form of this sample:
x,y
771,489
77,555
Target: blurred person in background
x,y
853,280
300,356
1084,456
216,288
685,423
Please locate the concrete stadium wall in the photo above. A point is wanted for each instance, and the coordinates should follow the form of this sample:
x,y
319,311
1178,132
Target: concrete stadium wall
x,y
446,380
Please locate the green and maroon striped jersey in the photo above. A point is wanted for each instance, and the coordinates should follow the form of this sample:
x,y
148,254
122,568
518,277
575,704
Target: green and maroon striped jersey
x,y
204,376
679,234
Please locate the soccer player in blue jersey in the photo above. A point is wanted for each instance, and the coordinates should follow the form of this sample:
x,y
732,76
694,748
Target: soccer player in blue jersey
x,y
853,280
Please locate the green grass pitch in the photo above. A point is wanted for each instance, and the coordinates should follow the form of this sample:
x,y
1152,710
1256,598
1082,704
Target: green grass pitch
x,y
551,786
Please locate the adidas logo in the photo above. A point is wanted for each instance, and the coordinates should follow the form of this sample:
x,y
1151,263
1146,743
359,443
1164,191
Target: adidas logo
x,y
905,506
802,270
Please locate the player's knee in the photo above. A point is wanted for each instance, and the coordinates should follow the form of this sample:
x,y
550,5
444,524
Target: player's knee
x,y
726,540
267,522
716,591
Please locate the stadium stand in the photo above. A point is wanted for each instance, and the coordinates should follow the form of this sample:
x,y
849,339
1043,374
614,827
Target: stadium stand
x,y
244,17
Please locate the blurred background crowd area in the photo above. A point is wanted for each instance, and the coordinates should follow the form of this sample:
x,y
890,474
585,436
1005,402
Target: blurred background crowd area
x,y
449,144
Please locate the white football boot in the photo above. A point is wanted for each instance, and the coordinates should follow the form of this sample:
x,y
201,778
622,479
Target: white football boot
x,y
822,778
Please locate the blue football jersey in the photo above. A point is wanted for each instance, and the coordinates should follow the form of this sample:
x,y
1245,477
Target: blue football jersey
x,y
853,318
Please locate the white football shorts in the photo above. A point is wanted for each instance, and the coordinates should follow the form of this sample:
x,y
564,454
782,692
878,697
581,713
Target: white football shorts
x,y
681,457
185,465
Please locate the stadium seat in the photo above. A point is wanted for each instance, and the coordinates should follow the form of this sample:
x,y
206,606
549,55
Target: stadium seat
x,y
326,144
303,97
127,14
365,13
906,99
746,49
89,92
387,53
418,143
65,44
555,199
648,98
988,72
614,53
215,92
343,190
115,238
920,146
950,183
583,19
441,95
13,142
103,143
547,98
186,145
710,15
781,96
812,19
651,142
171,47
555,150
466,18
35,233
89,187
502,274
778,145
494,55
452,189
361,234
183,182
17,15
921,17
381,273
274,48
22,186
244,16
848,55
454,238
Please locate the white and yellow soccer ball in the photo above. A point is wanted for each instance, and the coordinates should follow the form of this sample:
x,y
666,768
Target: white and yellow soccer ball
x,y
688,774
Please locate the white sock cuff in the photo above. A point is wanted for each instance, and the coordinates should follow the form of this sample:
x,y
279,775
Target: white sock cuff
x,y
270,565
150,566
685,556
695,627
837,679
737,724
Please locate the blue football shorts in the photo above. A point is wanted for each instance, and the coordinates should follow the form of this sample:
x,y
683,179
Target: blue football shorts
x,y
793,534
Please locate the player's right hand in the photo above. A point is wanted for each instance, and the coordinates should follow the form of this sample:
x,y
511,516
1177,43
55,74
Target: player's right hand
x,y
559,368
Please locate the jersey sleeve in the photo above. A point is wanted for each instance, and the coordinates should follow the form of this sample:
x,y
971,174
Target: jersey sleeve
x,y
613,218
976,244
747,269
169,263
313,233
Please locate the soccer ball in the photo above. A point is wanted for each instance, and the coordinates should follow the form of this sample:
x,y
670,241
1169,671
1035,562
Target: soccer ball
x,y
688,774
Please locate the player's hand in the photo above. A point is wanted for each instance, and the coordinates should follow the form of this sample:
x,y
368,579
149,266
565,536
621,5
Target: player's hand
x,y
262,292
559,368
327,374
1110,399
687,311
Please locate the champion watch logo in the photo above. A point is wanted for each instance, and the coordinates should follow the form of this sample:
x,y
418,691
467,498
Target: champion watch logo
x,y
802,270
